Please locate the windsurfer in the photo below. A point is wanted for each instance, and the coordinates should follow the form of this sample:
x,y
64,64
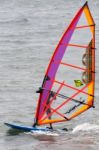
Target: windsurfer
x,y
48,111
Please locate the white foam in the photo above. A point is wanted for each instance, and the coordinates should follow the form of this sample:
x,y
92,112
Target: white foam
x,y
86,127
49,133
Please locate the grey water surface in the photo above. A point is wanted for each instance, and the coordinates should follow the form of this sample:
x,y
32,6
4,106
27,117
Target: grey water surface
x,y
29,32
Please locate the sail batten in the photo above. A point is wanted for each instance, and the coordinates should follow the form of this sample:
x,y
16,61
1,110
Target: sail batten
x,y
85,26
70,65
76,45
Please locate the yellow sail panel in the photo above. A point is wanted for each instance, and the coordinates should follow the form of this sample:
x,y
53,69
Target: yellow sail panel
x,y
81,110
92,27
89,18
91,91
47,121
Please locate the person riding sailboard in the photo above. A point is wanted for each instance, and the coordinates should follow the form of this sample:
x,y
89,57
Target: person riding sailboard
x,y
70,74
48,111
66,75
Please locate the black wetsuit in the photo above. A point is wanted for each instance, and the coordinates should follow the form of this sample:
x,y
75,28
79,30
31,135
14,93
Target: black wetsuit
x,y
48,111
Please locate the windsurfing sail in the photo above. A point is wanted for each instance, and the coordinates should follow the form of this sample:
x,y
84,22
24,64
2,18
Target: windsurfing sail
x,y
68,86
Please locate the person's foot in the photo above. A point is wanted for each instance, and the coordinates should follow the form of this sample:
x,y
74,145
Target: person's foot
x,y
34,125
65,129
51,128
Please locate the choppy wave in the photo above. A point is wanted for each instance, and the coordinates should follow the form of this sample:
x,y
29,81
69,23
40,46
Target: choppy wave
x,y
86,127
15,20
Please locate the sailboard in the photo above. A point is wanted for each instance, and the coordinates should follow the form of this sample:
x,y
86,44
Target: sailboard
x,y
68,86
26,128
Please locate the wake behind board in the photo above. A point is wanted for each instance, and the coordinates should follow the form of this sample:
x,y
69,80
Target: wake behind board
x,y
25,128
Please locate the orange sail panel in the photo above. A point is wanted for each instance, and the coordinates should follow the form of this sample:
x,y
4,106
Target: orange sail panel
x,y
68,86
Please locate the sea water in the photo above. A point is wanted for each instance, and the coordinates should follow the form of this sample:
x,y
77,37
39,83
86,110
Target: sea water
x,y
29,32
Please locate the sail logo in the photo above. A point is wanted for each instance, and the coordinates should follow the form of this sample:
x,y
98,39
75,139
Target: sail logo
x,y
78,83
